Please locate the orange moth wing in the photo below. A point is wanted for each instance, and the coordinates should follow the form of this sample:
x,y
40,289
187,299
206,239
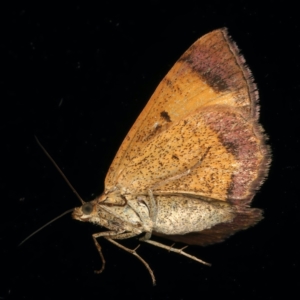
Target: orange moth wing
x,y
198,136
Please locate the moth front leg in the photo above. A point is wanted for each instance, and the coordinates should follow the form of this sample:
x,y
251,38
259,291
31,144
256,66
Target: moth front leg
x,y
111,236
152,213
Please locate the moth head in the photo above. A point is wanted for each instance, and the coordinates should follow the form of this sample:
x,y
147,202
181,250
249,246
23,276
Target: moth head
x,y
85,212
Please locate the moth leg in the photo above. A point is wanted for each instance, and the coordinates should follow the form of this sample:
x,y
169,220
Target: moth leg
x,y
179,251
133,252
105,234
146,237
153,206
101,256
111,236
152,213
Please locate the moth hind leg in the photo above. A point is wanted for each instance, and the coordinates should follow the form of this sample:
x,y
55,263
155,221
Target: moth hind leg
x,y
178,251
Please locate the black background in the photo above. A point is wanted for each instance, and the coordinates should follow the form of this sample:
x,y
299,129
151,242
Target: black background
x,y
77,77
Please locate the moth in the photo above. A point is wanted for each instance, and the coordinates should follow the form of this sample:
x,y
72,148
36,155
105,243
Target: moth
x,y
194,158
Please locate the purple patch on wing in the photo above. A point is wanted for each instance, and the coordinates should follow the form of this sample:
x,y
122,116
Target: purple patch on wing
x,y
213,62
238,137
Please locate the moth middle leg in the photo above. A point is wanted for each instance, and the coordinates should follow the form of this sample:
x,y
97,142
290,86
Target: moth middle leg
x,y
111,236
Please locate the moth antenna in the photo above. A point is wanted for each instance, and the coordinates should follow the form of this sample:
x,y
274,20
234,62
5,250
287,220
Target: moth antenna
x,y
66,212
69,184
60,171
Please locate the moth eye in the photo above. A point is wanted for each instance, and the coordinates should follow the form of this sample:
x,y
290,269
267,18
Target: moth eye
x,y
87,208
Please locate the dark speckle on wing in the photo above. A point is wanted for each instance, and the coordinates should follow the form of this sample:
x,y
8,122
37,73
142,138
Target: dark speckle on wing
x,y
165,116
